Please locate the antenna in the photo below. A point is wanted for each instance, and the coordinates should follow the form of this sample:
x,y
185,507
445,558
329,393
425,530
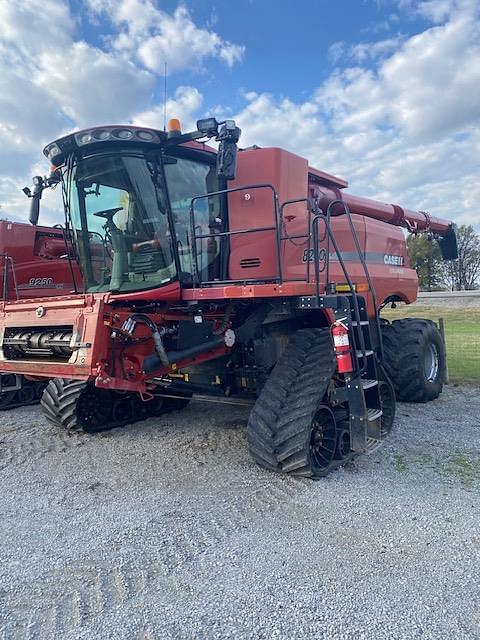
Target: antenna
x,y
165,96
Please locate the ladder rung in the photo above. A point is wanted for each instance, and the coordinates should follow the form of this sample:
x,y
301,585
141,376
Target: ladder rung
x,y
366,353
367,384
362,322
372,445
373,414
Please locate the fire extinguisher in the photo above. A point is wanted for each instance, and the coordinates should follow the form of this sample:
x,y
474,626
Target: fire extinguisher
x,y
341,345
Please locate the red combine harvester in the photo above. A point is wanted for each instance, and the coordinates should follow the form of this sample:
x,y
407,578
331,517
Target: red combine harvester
x,y
33,261
245,277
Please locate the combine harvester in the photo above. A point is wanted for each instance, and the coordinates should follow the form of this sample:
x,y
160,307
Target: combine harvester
x,y
33,261
237,277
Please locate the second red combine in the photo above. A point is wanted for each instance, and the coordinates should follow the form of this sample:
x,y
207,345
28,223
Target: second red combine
x,y
237,276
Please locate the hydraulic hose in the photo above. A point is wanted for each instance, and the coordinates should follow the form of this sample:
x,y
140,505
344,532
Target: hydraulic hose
x,y
225,321
129,325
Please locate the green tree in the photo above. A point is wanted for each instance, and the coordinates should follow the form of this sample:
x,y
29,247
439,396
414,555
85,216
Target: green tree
x,y
425,258
463,274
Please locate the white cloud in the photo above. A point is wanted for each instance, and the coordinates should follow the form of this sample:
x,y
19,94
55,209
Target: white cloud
x,y
52,82
425,89
365,51
340,52
156,37
402,124
183,106
35,25
44,89
91,86
405,130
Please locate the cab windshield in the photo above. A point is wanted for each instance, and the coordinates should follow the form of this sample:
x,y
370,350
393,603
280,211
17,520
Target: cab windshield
x,y
130,219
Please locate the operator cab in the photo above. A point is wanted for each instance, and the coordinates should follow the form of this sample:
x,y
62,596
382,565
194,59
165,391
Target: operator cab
x,y
128,194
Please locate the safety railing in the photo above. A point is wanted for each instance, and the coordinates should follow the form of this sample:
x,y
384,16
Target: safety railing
x,y
275,227
313,239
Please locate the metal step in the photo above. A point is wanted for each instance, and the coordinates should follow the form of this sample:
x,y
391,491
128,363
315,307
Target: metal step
x,y
368,384
361,354
374,414
372,445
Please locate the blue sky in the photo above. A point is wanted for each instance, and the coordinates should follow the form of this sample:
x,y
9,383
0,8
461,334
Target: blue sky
x,y
380,92
286,43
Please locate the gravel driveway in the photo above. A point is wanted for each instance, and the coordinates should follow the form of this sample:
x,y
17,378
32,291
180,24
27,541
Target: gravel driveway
x,y
166,529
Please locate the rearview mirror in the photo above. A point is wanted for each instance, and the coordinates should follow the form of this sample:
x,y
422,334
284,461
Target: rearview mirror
x,y
227,150
34,210
227,160
38,186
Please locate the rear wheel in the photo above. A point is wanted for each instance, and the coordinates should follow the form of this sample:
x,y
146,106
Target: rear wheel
x,y
414,358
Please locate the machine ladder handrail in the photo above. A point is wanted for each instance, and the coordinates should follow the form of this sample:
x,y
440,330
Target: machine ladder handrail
x,y
356,308
363,262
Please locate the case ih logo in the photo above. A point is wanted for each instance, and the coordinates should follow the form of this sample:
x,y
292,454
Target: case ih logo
x,y
396,261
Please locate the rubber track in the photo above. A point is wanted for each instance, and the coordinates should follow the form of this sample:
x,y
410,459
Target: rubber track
x,y
15,402
279,426
59,402
402,340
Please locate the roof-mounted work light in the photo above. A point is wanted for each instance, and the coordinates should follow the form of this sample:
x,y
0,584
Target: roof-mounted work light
x,y
208,126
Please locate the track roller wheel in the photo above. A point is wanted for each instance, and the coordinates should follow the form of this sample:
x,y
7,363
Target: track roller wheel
x,y
26,395
290,430
122,410
414,358
343,449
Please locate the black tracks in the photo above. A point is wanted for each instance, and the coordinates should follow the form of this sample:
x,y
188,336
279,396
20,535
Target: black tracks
x,y
29,393
280,424
76,405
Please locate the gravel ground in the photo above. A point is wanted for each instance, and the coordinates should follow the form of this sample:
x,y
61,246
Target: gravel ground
x,y
166,529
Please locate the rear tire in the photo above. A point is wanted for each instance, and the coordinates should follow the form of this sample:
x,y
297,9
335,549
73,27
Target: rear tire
x,y
415,358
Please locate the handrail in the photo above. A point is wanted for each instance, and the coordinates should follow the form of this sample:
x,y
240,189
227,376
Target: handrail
x,y
331,235
311,235
306,236
365,270
275,227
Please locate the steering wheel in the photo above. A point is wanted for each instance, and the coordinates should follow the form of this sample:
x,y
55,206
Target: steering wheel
x,y
107,213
